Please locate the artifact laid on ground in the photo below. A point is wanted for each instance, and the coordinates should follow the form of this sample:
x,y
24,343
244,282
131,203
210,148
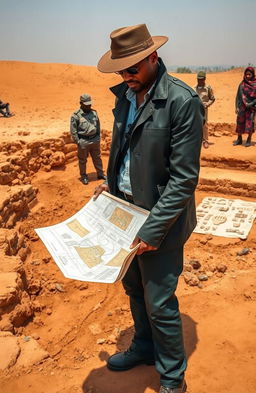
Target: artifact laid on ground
x,y
225,217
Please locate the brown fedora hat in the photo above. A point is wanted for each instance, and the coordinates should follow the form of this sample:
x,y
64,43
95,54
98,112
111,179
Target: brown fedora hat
x,y
129,45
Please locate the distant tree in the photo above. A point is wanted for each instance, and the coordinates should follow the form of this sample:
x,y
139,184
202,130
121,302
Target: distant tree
x,y
183,70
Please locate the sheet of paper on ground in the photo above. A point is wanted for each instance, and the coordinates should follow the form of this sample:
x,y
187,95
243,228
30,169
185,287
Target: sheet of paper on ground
x,y
225,217
94,244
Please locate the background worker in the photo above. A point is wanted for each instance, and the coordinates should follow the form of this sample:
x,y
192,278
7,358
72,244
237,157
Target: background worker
x,y
153,163
5,109
206,95
85,131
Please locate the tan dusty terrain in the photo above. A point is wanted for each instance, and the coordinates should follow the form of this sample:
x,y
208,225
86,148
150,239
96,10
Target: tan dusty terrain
x,y
61,330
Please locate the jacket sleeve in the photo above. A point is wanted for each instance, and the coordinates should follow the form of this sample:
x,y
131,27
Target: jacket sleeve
x,y
184,164
73,129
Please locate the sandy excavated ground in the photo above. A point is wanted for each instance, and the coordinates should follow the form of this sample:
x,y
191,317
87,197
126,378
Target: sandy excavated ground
x,y
78,324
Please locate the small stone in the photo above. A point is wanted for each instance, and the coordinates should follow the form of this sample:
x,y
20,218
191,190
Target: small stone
x,y
221,268
202,277
59,287
187,268
244,251
26,338
48,311
219,274
212,268
195,264
109,314
101,341
200,285
191,279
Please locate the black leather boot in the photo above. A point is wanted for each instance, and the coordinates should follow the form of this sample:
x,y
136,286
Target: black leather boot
x,y
239,141
248,141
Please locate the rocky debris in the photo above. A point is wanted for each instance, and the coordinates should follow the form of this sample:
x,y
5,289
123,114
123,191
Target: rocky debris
x,y
221,268
191,279
194,274
195,264
244,251
15,203
202,277
31,352
15,304
10,350
20,161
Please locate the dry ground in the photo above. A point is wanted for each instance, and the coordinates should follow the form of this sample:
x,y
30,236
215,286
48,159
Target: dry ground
x,y
219,319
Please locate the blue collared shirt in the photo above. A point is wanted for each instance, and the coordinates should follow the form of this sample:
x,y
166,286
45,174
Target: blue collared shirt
x,y
123,178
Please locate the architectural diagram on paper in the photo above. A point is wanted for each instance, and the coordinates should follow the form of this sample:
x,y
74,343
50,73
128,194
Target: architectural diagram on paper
x,y
91,256
225,217
119,258
121,218
94,244
77,228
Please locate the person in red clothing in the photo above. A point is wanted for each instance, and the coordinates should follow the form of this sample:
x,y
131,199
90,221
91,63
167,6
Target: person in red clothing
x,y
246,107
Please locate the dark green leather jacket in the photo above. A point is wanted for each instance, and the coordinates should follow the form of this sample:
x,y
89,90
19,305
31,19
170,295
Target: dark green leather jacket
x,y
164,165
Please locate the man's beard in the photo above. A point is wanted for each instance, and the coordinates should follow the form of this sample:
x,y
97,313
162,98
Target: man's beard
x,y
138,86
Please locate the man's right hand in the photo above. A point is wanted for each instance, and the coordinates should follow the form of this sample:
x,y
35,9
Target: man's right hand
x,y
99,189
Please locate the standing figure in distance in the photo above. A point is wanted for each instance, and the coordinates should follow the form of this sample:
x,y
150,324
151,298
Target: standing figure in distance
x,y
154,164
206,95
246,107
85,132
5,109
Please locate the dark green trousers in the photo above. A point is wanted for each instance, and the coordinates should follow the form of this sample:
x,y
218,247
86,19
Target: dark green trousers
x,y
150,282
94,150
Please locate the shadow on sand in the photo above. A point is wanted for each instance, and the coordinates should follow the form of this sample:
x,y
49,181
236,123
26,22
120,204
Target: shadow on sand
x,y
137,380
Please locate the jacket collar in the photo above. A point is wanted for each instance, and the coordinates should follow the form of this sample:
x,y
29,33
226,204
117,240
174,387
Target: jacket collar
x,y
161,89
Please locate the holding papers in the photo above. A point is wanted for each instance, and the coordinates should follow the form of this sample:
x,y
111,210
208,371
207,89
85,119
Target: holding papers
x,y
93,245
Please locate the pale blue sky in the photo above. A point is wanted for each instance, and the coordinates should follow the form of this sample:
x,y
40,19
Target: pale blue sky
x,y
201,32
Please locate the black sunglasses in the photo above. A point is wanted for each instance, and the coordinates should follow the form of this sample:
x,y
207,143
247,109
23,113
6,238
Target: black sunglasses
x,y
131,70
134,69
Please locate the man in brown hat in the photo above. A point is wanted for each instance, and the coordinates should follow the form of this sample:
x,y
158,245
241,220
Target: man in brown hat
x,y
85,132
206,95
153,163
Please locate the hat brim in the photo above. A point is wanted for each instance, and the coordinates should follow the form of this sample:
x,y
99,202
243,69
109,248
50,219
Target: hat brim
x,y
107,64
86,102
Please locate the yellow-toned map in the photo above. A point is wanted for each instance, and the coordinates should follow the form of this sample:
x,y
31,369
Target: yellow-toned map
x,y
119,258
91,256
121,218
76,227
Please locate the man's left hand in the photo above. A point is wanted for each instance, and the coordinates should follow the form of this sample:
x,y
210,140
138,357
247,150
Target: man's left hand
x,y
143,246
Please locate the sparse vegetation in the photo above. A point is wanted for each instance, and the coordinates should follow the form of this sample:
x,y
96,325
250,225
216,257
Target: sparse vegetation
x,y
183,70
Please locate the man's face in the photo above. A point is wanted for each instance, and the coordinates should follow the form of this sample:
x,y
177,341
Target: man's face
x,y
85,108
201,82
141,75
